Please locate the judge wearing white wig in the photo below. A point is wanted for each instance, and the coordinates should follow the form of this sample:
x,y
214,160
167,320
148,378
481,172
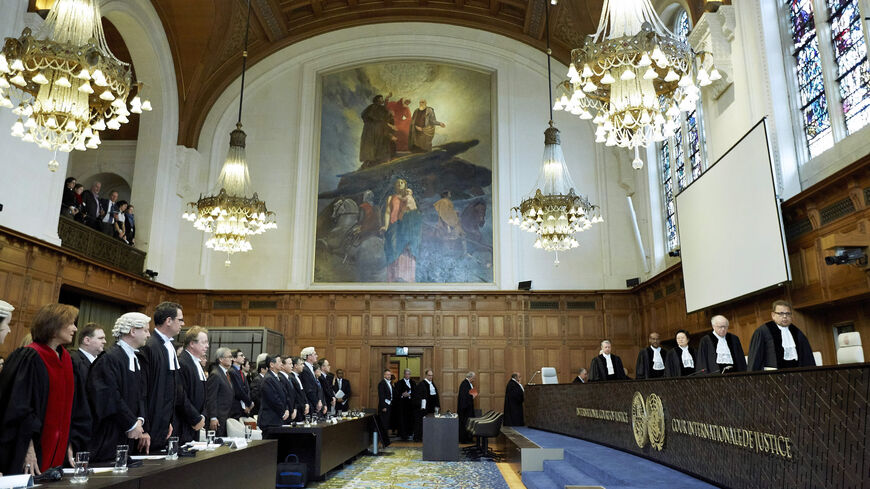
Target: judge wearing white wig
x,y
5,318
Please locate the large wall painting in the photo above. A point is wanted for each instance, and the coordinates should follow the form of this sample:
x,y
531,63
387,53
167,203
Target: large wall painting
x,y
405,175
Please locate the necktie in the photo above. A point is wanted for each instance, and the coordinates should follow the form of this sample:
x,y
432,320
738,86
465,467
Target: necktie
x,y
228,378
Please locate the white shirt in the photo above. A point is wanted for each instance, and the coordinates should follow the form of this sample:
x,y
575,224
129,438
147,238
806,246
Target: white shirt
x,y
609,363
688,361
110,207
788,344
170,350
198,366
431,388
658,363
87,355
723,354
389,400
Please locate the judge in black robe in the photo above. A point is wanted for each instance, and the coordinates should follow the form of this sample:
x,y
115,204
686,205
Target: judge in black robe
x,y
190,410
117,401
465,406
24,395
677,364
160,378
425,402
645,367
339,383
514,395
403,407
766,350
708,358
598,368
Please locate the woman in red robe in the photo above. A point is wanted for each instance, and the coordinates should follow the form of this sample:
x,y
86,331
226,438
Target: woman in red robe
x,y
38,429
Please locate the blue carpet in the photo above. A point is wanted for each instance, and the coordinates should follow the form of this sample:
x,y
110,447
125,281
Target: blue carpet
x,y
591,464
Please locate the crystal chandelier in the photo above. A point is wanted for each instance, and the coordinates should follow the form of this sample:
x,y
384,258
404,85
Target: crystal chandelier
x,y
229,215
554,212
635,75
67,84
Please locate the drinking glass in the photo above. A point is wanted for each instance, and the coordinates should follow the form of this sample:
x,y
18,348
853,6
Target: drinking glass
x,y
121,459
172,448
249,432
436,409
209,439
80,474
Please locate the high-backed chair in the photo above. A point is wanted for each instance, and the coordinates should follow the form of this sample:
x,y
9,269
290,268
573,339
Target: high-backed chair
x,y
850,349
235,428
818,356
548,375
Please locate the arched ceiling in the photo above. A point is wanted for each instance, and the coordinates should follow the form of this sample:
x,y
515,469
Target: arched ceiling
x,y
207,36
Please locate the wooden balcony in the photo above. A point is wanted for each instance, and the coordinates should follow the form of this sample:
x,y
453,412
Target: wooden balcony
x,y
100,247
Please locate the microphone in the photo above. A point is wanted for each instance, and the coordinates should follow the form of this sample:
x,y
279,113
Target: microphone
x,y
726,368
533,378
699,372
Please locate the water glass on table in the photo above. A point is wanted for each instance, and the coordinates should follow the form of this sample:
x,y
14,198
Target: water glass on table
x,y
80,473
172,448
436,410
121,452
249,432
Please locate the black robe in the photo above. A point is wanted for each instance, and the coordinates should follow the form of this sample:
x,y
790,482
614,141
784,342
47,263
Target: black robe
x,y
403,407
513,404
273,402
117,398
765,348
23,396
160,398
706,361
190,399
578,381
644,368
421,393
465,409
343,405
598,369
674,363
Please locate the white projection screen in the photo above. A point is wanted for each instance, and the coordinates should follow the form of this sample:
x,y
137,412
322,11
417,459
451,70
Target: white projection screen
x,y
730,226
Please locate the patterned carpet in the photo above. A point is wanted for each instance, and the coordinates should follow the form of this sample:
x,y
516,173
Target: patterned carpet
x,y
405,469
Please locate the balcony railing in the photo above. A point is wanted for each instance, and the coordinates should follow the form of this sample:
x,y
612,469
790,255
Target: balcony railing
x,y
99,247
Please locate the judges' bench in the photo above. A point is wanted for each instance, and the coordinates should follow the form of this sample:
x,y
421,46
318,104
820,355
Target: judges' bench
x,y
791,428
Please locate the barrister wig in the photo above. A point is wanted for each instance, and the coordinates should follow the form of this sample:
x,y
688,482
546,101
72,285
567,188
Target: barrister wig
x,y
128,321
5,309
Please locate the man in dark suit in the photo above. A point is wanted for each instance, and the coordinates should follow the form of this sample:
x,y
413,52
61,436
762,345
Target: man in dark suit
x,y
404,407
326,385
309,381
92,209
465,405
219,396
160,365
426,399
385,408
285,371
110,209
130,225
190,397
92,340
607,366
514,395
256,382
243,405
341,388
302,406
582,376
273,398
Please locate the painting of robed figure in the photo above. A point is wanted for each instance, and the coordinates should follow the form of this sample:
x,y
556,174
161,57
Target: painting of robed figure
x,y
405,175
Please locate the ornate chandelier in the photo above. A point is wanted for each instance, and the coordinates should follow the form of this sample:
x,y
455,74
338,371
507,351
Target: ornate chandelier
x,y
554,212
635,75
229,215
67,84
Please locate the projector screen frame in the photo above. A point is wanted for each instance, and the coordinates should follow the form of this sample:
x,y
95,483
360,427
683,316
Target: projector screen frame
x,y
778,206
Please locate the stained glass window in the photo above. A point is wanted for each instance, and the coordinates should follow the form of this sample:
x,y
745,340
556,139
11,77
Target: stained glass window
x,y
668,194
681,26
811,87
850,53
694,142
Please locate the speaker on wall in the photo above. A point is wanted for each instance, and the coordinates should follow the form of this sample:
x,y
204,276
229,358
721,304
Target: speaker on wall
x,y
632,282
525,285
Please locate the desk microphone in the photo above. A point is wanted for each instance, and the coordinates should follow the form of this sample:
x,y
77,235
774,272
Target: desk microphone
x,y
726,368
699,372
533,378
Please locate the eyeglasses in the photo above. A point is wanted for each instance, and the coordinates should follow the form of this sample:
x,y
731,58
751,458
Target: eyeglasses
x,y
782,314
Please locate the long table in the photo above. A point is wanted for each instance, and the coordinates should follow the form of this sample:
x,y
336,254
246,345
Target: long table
x,y
323,446
805,427
253,466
